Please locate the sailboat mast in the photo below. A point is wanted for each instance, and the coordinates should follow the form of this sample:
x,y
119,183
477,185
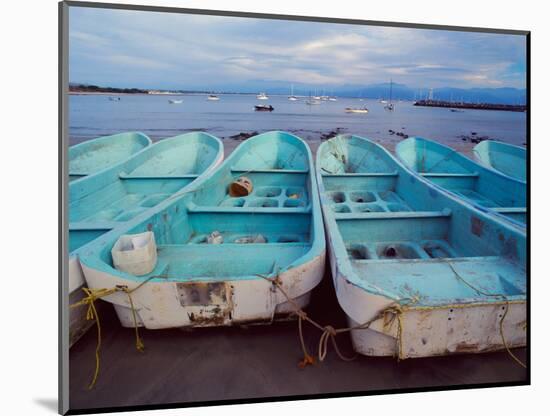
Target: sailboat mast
x,y
391,83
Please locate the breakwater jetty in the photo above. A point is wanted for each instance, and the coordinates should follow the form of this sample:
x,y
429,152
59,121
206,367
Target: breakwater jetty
x,y
472,106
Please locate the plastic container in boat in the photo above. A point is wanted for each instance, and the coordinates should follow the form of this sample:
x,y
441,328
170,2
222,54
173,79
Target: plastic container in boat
x,y
135,253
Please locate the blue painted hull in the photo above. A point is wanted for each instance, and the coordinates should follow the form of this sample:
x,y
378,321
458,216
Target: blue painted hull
x,y
95,155
484,188
222,284
110,198
504,158
445,270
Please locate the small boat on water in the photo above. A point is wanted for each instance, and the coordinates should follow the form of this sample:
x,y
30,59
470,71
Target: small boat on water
x,y
94,155
363,110
292,97
389,105
262,96
446,168
112,197
216,252
175,101
332,99
417,271
263,108
313,101
213,97
505,158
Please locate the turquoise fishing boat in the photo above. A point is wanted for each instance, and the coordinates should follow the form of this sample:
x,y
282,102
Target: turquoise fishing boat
x,y
107,200
95,155
446,168
216,253
505,158
418,271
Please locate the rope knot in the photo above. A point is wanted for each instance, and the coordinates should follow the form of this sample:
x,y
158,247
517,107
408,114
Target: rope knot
x,y
301,314
329,329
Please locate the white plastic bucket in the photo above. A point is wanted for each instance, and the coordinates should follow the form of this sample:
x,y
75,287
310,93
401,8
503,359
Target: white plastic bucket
x,y
135,253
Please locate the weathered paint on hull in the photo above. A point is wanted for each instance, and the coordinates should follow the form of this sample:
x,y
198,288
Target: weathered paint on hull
x,y
432,328
201,304
153,162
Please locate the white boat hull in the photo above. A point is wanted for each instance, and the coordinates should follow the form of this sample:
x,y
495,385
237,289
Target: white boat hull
x,y
443,330
160,305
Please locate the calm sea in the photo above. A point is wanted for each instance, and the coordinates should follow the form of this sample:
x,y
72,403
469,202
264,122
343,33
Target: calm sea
x,y
95,115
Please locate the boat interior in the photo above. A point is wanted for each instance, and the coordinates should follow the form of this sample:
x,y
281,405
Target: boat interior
x,y
449,169
98,154
209,234
386,218
99,203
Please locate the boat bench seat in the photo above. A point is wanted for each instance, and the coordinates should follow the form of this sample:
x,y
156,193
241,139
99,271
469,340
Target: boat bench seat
x,y
277,197
453,180
270,171
344,201
124,175
375,181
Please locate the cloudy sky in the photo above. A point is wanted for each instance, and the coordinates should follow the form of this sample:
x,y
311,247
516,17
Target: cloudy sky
x,y
175,51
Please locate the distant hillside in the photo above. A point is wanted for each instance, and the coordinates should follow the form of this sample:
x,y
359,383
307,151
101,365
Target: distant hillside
x,y
95,88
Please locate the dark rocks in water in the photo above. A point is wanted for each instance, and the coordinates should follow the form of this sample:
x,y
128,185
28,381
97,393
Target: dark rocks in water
x,y
473,138
332,133
391,131
243,135
401,134
478,139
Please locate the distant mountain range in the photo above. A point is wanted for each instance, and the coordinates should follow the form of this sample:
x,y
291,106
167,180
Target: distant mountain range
x,y
399,91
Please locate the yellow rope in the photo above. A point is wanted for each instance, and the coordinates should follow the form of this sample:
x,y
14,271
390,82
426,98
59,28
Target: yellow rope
x,y
91,296
501,323
390,314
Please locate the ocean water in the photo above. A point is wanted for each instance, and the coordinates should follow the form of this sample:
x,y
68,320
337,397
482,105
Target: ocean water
x,y
92,116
